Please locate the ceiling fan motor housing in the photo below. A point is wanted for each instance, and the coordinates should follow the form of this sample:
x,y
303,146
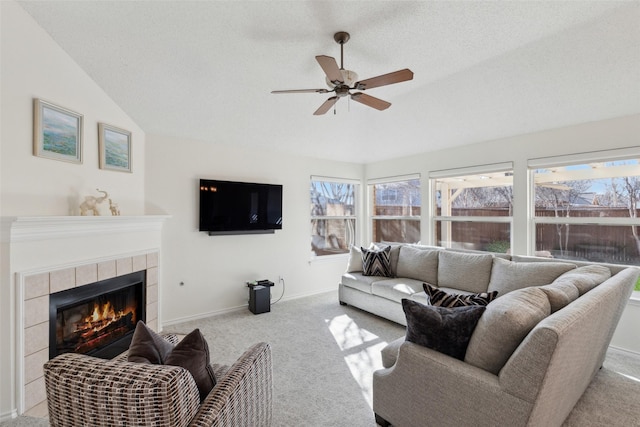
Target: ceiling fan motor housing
x,y
348,77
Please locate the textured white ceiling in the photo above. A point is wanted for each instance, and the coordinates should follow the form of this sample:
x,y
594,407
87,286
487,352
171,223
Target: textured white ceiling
x,y
204,70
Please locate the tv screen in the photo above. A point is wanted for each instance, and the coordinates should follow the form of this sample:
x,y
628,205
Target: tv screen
x,y
228,207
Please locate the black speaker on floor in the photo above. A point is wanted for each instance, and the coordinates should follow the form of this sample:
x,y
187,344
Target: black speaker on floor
x,y
260,296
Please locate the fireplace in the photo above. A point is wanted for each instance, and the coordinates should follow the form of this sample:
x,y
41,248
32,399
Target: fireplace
x,y
97,319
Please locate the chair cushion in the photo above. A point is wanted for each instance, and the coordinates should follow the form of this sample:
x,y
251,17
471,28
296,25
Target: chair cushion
x,y
441,298
446,330
419,264
504,325
467,272
507,276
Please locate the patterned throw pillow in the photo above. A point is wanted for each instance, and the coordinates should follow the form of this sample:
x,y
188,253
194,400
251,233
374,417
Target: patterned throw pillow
x,y
440,298
376,262
447,330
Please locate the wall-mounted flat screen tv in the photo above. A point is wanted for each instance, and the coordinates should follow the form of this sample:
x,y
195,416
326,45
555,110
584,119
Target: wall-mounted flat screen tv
x,y
228,207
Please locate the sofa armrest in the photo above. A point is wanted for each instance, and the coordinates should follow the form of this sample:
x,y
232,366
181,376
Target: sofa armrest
x,y
243,396
84,390
426,387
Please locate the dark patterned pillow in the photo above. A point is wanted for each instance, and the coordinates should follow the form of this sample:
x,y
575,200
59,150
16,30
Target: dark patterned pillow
x,y
440,298
447,330
376,262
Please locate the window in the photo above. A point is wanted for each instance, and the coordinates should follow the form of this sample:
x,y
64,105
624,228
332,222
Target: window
x,y
474,207
586,207
395,209
333,216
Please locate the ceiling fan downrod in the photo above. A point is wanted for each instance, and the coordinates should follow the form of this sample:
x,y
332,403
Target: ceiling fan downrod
x,y
341,37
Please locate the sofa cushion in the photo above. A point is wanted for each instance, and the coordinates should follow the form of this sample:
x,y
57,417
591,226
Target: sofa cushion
x,y
446,330
192,354
359,281
147,346
586,277
355,259
560,294
396,289
468,272
376,262
504,325
419,264
440,298
507,276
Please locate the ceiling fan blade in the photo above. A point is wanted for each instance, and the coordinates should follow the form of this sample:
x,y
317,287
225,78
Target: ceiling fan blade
x,y
385,79
326,106
330,68
301,91
370,101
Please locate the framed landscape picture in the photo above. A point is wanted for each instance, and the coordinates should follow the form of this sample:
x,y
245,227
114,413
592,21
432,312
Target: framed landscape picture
x,y
115,148
57,132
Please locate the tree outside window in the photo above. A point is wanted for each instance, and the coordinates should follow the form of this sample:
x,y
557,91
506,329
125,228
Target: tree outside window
x,y
333,217
395,211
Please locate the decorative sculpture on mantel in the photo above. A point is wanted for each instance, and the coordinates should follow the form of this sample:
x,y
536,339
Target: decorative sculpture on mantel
x,y
113,207
91,203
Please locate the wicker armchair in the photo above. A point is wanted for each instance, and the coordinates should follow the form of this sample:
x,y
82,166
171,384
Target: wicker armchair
x,y
86,391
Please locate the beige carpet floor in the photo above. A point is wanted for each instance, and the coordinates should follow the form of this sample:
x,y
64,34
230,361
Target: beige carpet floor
x,y
324,355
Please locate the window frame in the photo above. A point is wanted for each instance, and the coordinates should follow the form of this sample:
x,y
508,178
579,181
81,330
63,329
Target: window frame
x,y
355,217
371,183
570,160
434,176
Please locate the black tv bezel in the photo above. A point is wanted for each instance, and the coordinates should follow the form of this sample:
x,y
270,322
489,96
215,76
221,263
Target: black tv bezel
x,y
237,231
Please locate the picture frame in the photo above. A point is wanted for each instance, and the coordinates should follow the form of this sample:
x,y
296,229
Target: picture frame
x,y
115,148
57,132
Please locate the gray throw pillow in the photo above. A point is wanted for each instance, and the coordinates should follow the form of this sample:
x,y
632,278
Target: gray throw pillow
x,y
446,330
147,346
192,354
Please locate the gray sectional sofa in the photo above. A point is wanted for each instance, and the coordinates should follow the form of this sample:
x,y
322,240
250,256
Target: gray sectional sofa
x,y
532,354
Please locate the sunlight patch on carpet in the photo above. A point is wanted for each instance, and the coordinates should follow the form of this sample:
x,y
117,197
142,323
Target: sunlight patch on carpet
x,y
362,350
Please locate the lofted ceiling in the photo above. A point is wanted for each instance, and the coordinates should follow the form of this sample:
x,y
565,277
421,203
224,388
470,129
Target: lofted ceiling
x,y
204,70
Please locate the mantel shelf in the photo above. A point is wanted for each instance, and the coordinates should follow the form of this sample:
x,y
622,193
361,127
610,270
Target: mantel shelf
x,y
29,228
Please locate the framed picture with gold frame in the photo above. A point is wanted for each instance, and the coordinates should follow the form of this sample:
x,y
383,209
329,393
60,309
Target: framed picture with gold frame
x,y
115,148
57,132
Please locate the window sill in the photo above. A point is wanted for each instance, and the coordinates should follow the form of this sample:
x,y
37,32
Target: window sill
x,y
324,258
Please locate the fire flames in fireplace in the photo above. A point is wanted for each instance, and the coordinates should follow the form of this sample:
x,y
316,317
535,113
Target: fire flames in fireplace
x,y
95,324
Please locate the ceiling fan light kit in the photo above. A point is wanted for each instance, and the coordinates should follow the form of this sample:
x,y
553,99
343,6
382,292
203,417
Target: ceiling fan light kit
x,y
341,81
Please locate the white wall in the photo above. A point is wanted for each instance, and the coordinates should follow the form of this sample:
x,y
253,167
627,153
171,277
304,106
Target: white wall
x,y
622,132
215,268
34,66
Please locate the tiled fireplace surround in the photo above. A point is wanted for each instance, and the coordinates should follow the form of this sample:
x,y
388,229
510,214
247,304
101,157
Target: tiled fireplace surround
x,y
38,287
52,254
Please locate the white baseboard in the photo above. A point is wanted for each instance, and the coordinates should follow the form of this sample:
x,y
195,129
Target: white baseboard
x,y
625,350
237,308
7,416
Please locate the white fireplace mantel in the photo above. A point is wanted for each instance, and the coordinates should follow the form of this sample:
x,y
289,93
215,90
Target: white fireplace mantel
x,y
26,228
45,254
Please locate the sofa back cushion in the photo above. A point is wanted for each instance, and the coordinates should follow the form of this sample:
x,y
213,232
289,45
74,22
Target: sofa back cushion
x,y
464,271
505,323
507,276
418,264
560,294
585,278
